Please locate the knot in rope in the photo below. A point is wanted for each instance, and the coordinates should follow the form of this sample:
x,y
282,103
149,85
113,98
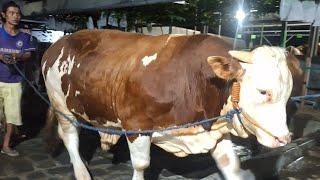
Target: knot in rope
x,y
230,114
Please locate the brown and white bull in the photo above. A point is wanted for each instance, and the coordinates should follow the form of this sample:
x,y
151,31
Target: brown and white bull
x,y
136,82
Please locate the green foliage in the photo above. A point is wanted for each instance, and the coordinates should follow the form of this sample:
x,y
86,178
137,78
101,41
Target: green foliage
x,y
195,13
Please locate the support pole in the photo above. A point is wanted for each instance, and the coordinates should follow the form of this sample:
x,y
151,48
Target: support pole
x,y
261,34
219,30
284,33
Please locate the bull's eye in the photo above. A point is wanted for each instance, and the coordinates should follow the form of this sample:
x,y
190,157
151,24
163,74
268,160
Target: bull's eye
x,y
263,92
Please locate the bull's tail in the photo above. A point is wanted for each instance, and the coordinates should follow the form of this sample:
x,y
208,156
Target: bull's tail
x,y
53,143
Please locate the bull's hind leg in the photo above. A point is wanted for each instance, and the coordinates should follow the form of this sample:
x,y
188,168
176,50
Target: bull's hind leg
x,y
227,160
140,155
69,134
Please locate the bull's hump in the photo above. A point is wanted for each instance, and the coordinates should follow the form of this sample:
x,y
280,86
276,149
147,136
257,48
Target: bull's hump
x,y
164,42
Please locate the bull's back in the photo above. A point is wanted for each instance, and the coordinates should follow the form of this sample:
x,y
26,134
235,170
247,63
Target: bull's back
x,y
94,66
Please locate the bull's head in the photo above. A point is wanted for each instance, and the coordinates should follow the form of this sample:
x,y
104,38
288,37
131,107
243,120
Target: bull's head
x,y
266,84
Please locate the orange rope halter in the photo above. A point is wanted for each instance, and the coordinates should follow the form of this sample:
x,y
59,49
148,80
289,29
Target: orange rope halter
x,y
235,98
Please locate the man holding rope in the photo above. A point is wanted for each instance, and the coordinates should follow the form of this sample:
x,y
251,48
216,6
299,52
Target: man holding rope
x,y
15,46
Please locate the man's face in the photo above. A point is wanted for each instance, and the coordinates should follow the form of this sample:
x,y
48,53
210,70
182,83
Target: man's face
x,y
12,15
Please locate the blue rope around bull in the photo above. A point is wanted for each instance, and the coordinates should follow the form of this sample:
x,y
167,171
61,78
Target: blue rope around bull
x,y
228,116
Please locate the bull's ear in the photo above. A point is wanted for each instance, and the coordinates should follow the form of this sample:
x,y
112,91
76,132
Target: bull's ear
x,y
225,68
294,51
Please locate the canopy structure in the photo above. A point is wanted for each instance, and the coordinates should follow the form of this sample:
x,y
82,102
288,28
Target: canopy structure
x,y
39,7
297,10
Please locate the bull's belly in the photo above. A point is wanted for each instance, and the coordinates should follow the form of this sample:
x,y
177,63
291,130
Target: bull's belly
x,y
183,145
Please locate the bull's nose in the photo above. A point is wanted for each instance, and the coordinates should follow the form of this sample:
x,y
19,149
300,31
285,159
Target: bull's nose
x,y
285,139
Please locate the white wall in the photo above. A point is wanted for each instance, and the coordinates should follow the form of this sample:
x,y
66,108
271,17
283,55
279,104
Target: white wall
x,y
156,31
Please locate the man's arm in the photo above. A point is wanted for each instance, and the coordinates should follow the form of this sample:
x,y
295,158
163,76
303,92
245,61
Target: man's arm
x,y
25,56
12,58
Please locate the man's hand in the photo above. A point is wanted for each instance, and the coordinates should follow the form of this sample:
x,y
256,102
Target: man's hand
x,y
9,59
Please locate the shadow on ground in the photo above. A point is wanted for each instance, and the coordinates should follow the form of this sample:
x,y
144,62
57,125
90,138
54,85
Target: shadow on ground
x,y
192,166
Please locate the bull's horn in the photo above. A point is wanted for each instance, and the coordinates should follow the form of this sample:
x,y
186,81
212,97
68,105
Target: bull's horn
x,y
242,55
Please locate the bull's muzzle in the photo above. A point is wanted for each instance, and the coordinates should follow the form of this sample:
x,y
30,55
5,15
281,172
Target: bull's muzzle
x,y
283,140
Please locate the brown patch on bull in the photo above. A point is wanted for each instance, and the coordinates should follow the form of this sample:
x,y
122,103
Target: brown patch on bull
x,y
304,49
83,42
224,160
132,138
297,74
69,89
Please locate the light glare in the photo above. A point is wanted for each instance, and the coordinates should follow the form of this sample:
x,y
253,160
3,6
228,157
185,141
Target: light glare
x,y
240,15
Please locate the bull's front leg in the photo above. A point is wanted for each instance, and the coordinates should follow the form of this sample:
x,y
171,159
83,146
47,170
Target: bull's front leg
x,y
227,160
140,155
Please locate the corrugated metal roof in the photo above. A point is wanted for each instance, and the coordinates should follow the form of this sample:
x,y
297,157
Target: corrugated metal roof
x,y
71,6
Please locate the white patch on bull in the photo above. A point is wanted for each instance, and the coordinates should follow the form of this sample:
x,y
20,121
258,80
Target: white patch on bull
x,y
148,59
113,124
53,83
64,67
58,101
140,155
199,142
107,140
228,161
171,36
71,63
67,65
78,65
43,67
77,93
68,92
